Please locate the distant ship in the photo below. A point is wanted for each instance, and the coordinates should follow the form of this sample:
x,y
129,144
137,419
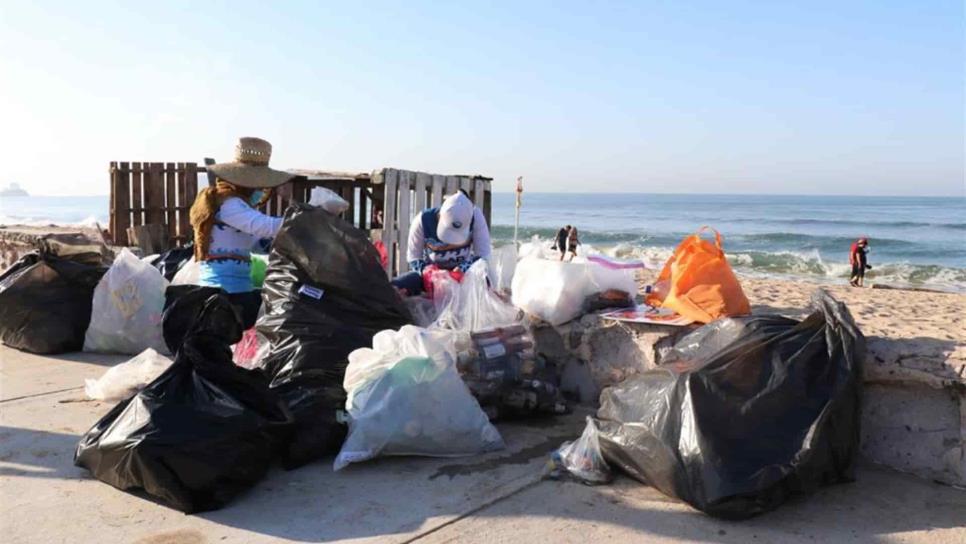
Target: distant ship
x,y
13,190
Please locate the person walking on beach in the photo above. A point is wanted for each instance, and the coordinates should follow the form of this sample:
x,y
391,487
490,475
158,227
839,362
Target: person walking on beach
x,y
560,243
572,242
858,260
227,224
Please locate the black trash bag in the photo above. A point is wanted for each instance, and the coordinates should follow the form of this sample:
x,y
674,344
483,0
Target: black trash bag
x,y
45,301
182,305
744,413
325,295
201,433
169,262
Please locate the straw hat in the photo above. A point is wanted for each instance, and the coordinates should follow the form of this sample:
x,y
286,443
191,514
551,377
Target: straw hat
x,y
250,167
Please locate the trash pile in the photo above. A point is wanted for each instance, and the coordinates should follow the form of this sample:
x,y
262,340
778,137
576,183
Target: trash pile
x,y
741,413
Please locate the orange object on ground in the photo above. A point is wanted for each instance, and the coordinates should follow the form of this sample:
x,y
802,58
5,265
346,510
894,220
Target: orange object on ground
x,y
697,282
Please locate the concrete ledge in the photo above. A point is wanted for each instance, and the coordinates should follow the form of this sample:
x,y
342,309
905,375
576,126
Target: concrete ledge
x,y
914,410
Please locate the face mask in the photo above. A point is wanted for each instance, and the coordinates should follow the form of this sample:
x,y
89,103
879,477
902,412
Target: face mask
x,y
256,197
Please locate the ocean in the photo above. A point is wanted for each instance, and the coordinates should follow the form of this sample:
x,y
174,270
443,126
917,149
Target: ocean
x,y
914,241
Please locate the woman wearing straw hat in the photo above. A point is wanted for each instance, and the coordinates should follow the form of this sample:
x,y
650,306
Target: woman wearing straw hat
x,y
227,225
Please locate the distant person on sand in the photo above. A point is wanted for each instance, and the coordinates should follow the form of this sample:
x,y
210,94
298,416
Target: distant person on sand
x,y
560,243
572,242
857,258
227,224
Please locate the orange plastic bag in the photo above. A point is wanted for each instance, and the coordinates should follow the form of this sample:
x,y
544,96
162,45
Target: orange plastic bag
x,y
698,283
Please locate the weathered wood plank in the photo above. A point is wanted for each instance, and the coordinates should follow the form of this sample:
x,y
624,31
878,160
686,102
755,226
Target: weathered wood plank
x,y
405,215
150,238
137,217
452,185
111,220
423,181
184,228
466,184
439,184
390,178
365,214
478,194
211,175
348,193
154,194
122,204
171,200
191,182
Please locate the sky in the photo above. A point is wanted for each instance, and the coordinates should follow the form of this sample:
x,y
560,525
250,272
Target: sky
x,y
807,97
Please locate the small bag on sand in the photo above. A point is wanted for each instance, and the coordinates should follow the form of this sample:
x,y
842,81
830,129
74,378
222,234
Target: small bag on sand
x,y
697,282
127,378
127,306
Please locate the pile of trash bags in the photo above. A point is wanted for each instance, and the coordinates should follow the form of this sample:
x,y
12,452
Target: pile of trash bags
x,y
45,300
325,295
744,412
127,308
405,397
201,433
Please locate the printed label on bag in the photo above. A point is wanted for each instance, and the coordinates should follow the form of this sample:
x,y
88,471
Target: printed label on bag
x,y
494,351
310,291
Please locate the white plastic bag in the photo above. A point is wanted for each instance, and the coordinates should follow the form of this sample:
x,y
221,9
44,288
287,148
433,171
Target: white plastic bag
x,y
470,305
126,310
188,274
422,309
405,397
503,262
327,200
127,378
555,291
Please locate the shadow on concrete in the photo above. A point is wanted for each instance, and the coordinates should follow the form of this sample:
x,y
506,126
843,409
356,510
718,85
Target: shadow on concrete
x,y
880,503
38,454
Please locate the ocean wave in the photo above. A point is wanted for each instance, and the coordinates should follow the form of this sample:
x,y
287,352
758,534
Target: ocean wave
x,y
866,225
88,222
807,264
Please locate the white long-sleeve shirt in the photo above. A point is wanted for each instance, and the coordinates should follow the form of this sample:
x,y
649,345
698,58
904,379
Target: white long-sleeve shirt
x,y
238,227
481,246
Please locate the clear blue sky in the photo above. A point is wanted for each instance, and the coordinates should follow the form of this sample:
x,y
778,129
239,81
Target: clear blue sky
x,y
726,97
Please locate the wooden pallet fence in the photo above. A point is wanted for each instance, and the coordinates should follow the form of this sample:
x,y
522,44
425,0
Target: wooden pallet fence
x,y
407,193
152,193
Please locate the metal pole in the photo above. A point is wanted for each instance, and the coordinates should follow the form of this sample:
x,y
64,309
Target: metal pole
x,y
516,223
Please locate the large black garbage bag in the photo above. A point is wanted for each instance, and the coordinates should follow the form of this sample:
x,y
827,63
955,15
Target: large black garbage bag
x,y
182,306
744,412
169,262
325,295
45,301
202,432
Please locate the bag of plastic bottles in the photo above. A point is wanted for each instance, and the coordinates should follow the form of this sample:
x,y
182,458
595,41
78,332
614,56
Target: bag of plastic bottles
x,y
470,305
127,307
406,398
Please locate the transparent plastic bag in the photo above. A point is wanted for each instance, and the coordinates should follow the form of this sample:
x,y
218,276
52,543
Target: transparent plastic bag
x,y
470,305
555,291
502,264
582,459
188,274
127,307
326,199
127,378
405,397
423,310
250,351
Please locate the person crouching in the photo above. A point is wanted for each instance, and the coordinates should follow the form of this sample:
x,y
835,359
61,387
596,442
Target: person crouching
x,y
451,237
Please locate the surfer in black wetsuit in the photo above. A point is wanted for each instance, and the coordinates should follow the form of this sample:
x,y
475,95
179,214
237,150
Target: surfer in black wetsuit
x,y
561,242
858,260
